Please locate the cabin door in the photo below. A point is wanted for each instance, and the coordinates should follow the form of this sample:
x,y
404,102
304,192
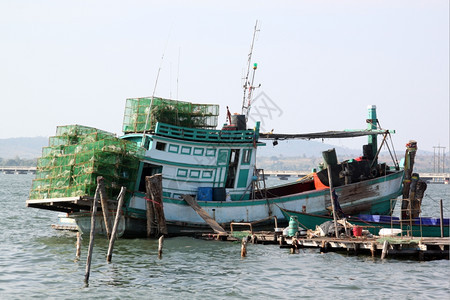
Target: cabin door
x,y
148,170
232,168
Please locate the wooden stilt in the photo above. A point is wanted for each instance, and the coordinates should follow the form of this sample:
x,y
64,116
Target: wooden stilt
x,y
105,209
244,247
385,249
294,245
160,246
410,155
116,223
91,240
373,249
150,213
155,182
78,254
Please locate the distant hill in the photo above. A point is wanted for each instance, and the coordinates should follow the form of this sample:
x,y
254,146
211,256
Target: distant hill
x,y
297,155
23,147
295,148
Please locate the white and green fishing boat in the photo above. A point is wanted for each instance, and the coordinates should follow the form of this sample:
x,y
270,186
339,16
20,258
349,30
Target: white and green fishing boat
x,y
217,167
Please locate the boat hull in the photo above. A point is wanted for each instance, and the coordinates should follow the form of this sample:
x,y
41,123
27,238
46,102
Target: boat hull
x,y
310,221
373,196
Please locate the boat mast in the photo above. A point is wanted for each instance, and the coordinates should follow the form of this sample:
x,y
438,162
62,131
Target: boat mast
x,y
372,123
249,85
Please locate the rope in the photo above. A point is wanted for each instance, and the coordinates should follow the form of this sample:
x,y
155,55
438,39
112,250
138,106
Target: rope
x,y
436,201
151,200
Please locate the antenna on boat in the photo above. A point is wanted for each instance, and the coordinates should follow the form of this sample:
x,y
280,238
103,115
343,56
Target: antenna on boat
x,y
153,94
249,85
178,68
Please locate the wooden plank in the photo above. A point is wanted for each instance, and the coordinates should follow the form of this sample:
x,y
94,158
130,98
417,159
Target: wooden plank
x,y
205,216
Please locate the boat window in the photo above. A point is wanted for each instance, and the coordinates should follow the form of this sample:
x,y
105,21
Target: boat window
x,y
246,156
160,146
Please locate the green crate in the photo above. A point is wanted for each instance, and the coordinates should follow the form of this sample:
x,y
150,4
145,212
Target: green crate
x,y
85,179
57,192
63,171
45,162
39,194
41,184
62,182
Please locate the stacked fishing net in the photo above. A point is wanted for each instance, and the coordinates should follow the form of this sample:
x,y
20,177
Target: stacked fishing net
x,y
142,114
78,154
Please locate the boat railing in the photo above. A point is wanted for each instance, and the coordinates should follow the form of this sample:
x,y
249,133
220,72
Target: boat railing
x,y
207,135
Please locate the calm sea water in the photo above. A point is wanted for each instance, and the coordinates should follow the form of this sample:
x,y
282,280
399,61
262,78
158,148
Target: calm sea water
x,y
38,262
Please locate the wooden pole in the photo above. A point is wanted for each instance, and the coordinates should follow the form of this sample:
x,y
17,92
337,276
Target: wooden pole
x,y
410,155
441,208
104,202
330,182
78,254
155,182
385,249
244,247
160,246
91,240
150,212
373,248
116,223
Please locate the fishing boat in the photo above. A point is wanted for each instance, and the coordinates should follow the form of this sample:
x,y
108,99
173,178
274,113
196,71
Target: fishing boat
x,y
417,227
216,167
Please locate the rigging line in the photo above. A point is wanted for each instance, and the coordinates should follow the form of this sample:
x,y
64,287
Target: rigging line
x,y
379,149
436,201
394,160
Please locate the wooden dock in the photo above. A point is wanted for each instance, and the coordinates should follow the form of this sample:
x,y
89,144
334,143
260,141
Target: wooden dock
x,y
407,247
425,248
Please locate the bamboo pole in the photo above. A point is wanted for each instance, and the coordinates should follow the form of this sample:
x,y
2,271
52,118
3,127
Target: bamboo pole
x,y
116,223
330,183
160,246
104,202
91,240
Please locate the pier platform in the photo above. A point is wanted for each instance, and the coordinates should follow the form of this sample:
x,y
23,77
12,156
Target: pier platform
x,y
425,248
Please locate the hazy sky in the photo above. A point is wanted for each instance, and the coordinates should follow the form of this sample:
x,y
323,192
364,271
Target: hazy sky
x,y
320,63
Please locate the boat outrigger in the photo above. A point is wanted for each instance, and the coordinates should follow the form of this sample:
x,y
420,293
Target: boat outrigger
x,y
216,167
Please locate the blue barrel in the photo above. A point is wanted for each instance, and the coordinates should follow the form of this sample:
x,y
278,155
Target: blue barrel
x,y
205,194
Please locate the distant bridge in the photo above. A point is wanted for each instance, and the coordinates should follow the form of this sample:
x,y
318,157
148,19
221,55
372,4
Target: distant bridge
x,y
17,170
